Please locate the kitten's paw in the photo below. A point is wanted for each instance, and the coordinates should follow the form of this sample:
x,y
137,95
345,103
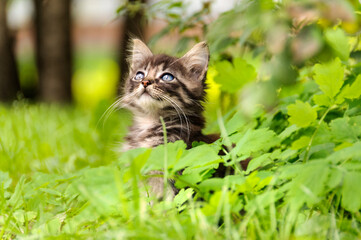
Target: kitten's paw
x,y
156,189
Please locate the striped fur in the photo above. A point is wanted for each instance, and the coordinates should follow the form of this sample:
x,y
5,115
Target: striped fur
x,y
178,102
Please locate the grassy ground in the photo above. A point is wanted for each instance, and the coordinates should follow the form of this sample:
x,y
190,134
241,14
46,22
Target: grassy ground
x,y
60,179
57,139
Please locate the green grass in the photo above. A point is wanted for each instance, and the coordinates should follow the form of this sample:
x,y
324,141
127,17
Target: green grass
x,y
50,152
69,182
62,176
57,139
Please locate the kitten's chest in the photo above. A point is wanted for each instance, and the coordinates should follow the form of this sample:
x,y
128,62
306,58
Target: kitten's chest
x,y
142,134
142,128
149,133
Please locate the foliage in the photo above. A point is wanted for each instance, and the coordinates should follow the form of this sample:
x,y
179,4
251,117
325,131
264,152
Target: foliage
x,y
302,180
301,183
277,37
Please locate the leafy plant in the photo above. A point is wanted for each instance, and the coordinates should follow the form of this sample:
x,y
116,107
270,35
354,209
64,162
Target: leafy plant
x,y
301,182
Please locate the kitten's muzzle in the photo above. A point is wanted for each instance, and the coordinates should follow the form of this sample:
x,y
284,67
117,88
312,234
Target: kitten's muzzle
x,y
146,83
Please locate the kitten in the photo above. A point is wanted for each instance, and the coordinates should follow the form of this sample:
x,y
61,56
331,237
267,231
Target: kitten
x,y
168,87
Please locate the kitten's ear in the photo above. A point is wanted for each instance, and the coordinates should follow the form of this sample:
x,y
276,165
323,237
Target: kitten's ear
x,y
139,52
197,59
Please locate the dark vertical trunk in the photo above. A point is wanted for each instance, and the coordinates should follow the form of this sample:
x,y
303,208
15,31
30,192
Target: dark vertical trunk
x,y
133,28
9,79
53,47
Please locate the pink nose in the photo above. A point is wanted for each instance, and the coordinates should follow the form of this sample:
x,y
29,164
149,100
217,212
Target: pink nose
x,y
146,83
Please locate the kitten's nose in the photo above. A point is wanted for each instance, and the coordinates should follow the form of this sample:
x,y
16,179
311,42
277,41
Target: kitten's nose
x,y
146,83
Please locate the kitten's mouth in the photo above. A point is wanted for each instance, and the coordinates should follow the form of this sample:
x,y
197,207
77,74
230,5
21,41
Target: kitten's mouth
x,y
149,94
146,93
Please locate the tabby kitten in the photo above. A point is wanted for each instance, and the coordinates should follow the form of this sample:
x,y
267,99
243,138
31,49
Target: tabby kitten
x,y
168,87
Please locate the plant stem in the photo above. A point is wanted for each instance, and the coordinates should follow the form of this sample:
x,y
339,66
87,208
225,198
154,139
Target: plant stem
x,y
307,154
165,162
7,221
228,142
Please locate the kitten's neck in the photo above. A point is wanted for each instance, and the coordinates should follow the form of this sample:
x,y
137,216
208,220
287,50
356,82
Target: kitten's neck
x,y
147,129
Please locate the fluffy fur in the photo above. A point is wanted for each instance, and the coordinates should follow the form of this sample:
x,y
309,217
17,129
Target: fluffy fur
x,y
177,101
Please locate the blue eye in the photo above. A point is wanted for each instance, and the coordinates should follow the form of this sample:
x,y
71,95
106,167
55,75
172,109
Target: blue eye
x,y
167,77
139,76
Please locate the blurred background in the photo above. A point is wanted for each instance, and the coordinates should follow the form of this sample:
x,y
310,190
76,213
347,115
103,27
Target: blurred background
x,y
73,50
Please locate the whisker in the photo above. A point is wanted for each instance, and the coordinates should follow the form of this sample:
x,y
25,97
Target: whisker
x,y
109,111
177,107
160,94
197,103
177,110
116,104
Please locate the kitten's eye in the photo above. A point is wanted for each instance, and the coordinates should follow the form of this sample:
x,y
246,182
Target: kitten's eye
x,y
167,77
139,76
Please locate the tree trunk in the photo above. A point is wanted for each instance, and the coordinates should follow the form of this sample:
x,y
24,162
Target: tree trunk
x,y
9,79
133,28
53,47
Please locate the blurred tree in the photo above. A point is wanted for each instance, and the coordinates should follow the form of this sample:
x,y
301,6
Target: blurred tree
x,y
133,27
9,79
53,46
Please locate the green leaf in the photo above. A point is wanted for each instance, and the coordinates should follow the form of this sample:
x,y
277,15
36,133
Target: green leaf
x,y
329,77
352,152
210,208
287,154
338,41
188,180
323,134
335,178
128,156
216,184
16,199
300,143
21,215
255,182
322,100
287,132
352,91
182,197
236,122
174,153
309,184
351,192
342,131
53,226
197,157
355,122
5,180
98,187
301,114
262,160
342,146
51,191
137,163
254,141
233,77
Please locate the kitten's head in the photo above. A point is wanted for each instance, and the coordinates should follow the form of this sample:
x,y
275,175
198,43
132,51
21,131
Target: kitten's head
x,y
159,83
